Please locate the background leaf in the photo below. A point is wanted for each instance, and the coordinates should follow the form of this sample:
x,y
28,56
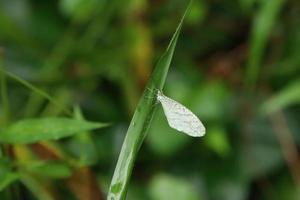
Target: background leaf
x,y
288,96
34,130
164,187
50,169
7,176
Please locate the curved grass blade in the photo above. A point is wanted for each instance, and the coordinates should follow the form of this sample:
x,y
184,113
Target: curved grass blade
x,y
35,89
7,176
39,188
262,26
6,179
140,122
288,96
35,130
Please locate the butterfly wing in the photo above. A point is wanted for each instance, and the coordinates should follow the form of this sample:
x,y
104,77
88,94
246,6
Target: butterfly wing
x,y
181,118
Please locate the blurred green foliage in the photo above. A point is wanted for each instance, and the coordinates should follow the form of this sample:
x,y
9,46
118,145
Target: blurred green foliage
x,y
236,66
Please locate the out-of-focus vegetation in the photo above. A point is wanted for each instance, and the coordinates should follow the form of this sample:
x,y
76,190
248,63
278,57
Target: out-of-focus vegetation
x,y
236,65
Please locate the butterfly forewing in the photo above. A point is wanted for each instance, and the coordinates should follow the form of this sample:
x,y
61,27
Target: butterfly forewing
x,y
181,118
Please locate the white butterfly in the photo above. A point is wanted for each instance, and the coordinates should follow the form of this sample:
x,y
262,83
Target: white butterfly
x,y
181,118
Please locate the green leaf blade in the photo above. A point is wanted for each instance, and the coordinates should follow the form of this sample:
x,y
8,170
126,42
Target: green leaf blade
x,y
34,130
262,28
7,175
6,179
51,169
288,96
141,121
